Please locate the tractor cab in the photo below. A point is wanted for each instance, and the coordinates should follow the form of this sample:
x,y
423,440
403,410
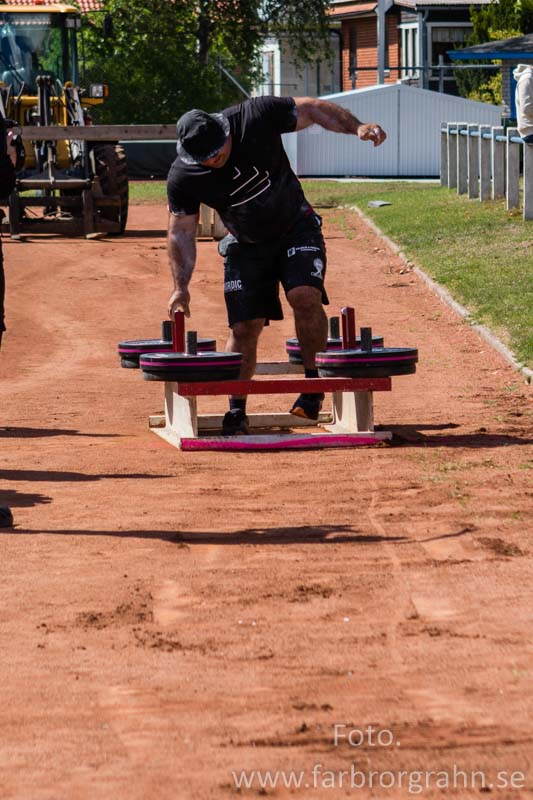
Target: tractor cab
x,y
38,42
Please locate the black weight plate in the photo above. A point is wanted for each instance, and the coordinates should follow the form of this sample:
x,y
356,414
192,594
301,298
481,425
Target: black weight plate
x,y
6,517
129,352
292,347
379,362
188,367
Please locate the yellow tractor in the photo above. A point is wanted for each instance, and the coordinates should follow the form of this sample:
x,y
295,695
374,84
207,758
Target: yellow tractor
x,y
67,180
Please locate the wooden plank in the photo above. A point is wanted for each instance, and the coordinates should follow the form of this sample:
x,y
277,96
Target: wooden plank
x,y
180,413
99,133
88,212
27,184
206,226
352,412
282,386
14,214
212,422
35,201
219,229
64,228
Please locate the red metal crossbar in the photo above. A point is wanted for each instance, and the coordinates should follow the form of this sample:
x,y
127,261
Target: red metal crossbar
x,y
285,386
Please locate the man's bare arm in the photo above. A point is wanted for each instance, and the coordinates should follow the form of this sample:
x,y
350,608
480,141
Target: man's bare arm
x,y
181,247
312,111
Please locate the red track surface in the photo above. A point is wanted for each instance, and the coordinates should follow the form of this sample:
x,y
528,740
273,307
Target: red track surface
x,y
169,617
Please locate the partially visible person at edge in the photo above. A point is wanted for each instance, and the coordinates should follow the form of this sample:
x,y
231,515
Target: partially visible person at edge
x,y
7,182
523,75
234,162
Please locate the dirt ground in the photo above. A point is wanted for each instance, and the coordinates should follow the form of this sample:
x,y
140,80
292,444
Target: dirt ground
x,y
169,620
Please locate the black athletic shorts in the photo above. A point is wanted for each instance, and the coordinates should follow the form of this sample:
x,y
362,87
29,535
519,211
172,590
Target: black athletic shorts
x,y
253,272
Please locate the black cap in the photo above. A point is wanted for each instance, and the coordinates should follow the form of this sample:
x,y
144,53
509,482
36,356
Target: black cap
x,y
200,135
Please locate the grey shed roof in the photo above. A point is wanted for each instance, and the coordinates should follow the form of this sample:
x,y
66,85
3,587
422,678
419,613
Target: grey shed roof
x,y
512,49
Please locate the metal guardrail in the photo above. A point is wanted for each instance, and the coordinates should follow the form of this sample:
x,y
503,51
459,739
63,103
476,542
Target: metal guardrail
x,y
486,162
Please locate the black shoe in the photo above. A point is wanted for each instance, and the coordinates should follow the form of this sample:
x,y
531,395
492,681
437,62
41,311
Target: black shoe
x,y
234,423
308,406
6,517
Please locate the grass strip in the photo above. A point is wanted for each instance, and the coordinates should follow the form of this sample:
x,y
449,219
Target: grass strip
x,y
480,252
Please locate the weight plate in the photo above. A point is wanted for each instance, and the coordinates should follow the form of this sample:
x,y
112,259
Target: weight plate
x,y
292,347
379,362
188,367
129,352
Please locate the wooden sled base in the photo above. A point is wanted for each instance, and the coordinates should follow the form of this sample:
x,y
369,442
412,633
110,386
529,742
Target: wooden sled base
x,y
350,423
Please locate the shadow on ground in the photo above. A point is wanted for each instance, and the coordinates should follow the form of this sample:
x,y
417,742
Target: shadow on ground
x,y
411,436
51,476
304,534
15,499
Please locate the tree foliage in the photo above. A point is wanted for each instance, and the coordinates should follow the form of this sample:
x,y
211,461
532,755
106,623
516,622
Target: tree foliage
x,y
501,19
162,56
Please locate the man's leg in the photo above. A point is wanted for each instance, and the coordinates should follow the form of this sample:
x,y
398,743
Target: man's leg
x,y
312,332
243,339
310,320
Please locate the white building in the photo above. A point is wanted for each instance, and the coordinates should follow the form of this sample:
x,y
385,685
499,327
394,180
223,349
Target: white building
x,y
410,116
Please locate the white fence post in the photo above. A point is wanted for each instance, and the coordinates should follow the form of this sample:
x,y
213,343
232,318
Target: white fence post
x,y
498,164
473,161
513,171
528,181
484,164
452,156
443,155
462,159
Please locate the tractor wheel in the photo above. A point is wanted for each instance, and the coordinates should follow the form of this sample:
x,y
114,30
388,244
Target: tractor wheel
x,y
112,170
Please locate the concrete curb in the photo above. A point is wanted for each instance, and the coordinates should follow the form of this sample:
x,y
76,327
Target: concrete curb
x,y
444,295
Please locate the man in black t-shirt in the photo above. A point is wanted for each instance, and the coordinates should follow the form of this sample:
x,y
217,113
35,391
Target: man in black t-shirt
x,y
234,162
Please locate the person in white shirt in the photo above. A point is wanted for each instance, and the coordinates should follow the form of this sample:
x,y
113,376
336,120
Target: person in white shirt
x,y
523,75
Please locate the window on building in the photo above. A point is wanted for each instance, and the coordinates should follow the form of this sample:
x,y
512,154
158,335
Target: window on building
x,y
409,50
442,38
267,67
352,52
